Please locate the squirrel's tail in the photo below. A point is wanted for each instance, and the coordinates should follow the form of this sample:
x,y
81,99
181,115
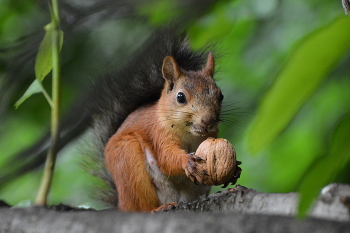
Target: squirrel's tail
x,y
138,82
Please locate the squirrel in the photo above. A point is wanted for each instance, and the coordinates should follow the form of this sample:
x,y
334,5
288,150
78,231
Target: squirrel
x,y
148,157
153,115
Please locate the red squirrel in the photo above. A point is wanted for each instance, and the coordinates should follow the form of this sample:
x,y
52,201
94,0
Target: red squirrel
x,y
147,118
149,155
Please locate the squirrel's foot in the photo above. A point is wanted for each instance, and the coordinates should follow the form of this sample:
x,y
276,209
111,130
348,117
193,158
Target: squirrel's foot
x,y
164,207
191,169
235,176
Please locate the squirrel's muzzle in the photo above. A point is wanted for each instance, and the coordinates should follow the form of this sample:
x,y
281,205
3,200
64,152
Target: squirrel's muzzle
x,y
208,121
205,125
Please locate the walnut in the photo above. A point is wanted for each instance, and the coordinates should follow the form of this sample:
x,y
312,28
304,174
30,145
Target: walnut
x,y
218,161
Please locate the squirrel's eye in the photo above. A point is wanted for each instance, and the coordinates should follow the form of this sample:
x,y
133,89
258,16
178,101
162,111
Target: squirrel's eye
x,y
181,98
221,96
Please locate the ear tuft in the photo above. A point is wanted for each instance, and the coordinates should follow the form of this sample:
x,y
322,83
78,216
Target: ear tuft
x,y
210,66
170,69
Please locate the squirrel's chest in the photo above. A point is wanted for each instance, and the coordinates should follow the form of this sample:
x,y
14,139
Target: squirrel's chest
x,y
172,188
176,188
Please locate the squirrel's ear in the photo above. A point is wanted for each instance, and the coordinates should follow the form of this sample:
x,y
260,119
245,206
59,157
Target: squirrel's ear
x,y
170,69
210,66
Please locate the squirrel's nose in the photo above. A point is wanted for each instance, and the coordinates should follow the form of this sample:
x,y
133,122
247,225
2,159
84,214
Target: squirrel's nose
x,y
208,121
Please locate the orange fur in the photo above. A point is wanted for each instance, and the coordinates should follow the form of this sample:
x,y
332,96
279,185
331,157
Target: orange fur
x,y
130,175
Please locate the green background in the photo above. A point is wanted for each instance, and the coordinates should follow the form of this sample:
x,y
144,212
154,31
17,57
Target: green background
x,y
283,67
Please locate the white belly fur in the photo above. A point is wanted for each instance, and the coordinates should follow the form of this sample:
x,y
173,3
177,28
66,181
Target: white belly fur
x,y
172,188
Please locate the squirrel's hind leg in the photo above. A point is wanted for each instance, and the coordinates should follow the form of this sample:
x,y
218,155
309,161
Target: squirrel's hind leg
x,y
125,159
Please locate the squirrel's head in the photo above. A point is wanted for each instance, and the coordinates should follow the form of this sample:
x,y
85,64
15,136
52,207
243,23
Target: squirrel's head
x,y
191,99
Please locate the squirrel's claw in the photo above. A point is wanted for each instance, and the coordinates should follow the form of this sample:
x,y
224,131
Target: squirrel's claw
x,y
235,176
165,207
191,169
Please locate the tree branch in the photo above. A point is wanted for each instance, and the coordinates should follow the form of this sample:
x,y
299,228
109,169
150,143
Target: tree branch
x,y
234,210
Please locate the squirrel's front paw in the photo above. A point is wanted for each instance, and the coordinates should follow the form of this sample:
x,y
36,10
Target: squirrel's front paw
x,y
191,170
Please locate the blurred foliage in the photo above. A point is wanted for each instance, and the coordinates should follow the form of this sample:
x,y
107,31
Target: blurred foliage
x,y
257,48
293,86
324,170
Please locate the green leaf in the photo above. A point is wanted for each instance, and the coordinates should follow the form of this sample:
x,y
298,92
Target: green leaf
x,y
313,59
43,61
34,88
43,65
327,167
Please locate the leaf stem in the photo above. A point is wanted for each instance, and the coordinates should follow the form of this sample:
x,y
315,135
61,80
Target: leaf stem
x,y
55,110
47,96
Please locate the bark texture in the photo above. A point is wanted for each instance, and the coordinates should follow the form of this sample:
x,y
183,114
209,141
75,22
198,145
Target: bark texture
x,y
238,210
329,205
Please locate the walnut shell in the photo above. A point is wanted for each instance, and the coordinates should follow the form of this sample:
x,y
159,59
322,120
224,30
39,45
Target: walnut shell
x,y
219,160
